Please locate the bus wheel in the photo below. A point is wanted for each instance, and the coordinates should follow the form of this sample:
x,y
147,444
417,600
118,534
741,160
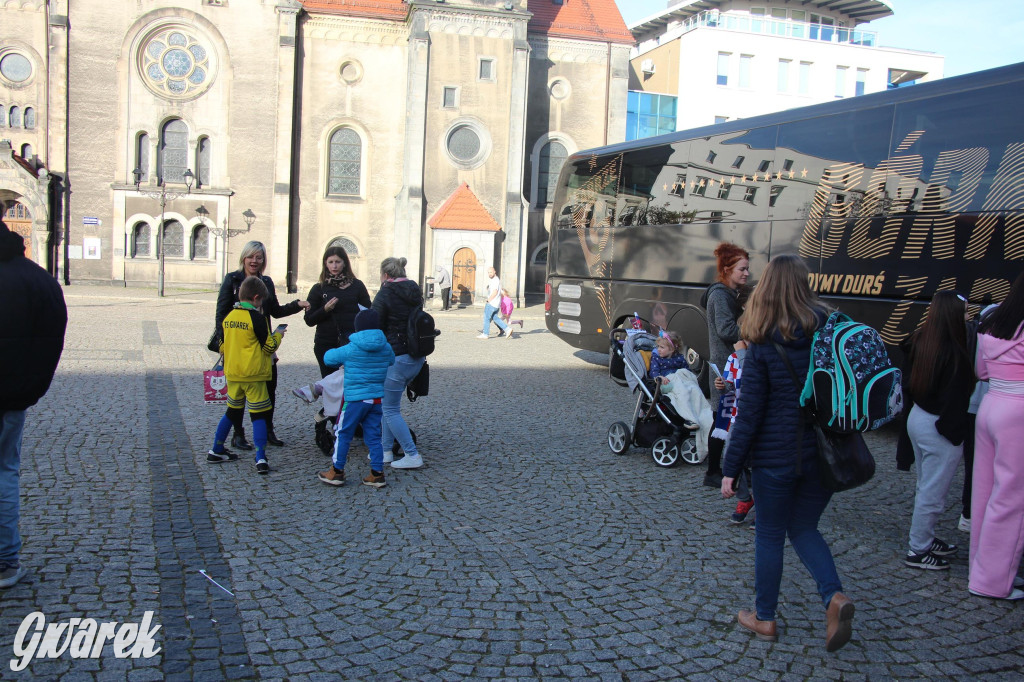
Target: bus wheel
x,y
665,452
619,437
688,451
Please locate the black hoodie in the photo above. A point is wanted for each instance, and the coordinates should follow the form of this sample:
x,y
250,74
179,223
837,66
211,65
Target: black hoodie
x,y
34,320
394,303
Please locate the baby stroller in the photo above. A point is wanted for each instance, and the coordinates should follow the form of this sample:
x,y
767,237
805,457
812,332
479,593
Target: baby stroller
x,y
655,423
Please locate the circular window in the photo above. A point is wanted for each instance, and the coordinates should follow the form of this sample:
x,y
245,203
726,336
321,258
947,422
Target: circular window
x,y
467,144
351,72
175,63
559,88
464,143
15,67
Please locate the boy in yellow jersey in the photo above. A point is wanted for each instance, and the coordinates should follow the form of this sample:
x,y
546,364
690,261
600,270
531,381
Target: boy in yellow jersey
x,y
248,347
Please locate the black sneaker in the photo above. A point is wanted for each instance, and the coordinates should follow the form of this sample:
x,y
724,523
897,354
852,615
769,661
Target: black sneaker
x,y
925,560
262,467
940,548
217,457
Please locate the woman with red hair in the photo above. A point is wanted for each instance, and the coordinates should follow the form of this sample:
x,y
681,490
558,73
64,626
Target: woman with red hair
x,y
721,300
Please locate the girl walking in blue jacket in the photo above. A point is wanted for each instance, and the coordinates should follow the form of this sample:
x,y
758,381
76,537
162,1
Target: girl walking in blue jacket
x,y
771,434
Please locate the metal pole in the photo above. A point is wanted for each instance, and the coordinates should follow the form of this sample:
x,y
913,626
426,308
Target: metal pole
x,y
160,240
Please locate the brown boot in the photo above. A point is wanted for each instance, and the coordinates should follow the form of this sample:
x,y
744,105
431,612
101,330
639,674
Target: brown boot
x,y
839,622
763,629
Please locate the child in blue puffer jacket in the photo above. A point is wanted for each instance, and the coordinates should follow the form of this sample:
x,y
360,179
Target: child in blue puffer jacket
x,y
366,359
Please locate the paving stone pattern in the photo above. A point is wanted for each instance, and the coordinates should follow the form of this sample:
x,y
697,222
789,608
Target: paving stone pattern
x,y
523,549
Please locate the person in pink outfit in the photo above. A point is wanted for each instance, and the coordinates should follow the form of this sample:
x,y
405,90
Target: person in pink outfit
x,y
997,505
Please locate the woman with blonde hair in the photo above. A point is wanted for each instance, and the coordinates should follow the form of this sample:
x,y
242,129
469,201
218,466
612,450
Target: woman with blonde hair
x,y
772,435
252,261
394,303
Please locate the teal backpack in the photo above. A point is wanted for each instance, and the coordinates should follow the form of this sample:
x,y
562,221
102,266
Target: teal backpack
x,y
852,384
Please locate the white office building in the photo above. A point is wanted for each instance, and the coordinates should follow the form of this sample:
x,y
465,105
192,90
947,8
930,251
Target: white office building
x,y
700,62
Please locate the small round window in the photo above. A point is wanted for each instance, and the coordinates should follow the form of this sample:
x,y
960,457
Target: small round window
x,y
15,67
175,63
467,144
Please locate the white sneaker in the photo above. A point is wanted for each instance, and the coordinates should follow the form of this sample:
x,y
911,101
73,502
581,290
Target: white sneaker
x,y
408,462
1015,595
389,457
964,524
11,575
482,336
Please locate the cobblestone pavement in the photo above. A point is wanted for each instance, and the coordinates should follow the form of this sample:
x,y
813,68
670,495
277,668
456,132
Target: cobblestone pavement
x,y
523,549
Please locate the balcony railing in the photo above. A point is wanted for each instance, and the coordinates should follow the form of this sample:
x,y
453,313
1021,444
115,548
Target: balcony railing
x,y
777,27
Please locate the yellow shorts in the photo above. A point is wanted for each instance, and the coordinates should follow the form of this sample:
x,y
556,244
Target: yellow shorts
x,y
253,392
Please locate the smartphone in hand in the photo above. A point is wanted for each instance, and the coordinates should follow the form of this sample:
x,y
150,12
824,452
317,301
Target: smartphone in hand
x,y
281,328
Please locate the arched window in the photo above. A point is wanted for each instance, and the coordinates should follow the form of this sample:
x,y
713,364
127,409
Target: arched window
x,y
345,163
26,152
142,155
203,162
174,240
140,240
15,117
173,156
347,244
30,118
200,243
549,165
3,116
541,256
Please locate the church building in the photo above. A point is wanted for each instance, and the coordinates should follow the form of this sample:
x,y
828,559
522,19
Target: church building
x,y
428,129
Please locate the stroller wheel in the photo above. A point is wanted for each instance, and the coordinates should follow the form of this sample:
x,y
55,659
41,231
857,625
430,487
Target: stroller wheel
x,y
665,452
688,451
619,437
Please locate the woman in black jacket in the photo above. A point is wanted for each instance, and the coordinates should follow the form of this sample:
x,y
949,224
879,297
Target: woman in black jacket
x,y
939,378
333,304
397,298
770,432
252,262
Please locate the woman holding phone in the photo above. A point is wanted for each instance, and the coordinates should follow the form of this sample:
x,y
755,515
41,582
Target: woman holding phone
x,y
252,261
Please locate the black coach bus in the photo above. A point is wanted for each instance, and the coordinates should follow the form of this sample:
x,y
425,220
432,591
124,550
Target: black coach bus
x,y
888,198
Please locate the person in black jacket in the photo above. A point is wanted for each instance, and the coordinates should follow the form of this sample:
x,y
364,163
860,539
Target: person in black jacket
x,y
31,341
772,435
395,301
333,304
939,374
253,261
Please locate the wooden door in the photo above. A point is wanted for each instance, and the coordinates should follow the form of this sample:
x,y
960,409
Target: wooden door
x,y
463,277
19,221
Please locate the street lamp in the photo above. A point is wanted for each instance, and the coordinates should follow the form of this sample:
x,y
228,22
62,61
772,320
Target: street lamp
x,y
225,233
164,196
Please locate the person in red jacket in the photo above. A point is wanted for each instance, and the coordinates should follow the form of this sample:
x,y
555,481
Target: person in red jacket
x,y
31,342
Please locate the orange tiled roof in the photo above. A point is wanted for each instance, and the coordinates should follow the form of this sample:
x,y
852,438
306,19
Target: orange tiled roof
x,y
586,19
379,9
463,211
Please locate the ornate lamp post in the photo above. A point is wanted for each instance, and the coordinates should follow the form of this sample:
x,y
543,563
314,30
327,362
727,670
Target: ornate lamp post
x,y
226,233
164,196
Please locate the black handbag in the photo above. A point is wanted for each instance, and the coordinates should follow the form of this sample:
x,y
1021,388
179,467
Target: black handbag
x,y
216,339
844,461
420,385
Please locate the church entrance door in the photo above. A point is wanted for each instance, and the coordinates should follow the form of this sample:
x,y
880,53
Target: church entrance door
x,y
19,221
463,277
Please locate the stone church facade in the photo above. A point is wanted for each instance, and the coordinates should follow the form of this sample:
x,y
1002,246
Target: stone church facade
x,y
300,124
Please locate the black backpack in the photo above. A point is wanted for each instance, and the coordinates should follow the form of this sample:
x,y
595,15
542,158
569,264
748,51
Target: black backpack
x,y
421,333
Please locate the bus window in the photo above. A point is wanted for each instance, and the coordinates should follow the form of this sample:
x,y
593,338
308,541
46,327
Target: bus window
x,y
742,194
589,199
652,188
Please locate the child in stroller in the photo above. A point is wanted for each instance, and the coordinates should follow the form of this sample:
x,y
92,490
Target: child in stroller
x,y
656,423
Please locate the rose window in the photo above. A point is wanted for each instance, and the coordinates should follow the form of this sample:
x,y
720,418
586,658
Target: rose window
x,y
175,63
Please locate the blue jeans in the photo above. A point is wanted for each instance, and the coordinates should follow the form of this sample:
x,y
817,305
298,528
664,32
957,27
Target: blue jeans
x,y
12,424
489,315
790,504
352,415
393,426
